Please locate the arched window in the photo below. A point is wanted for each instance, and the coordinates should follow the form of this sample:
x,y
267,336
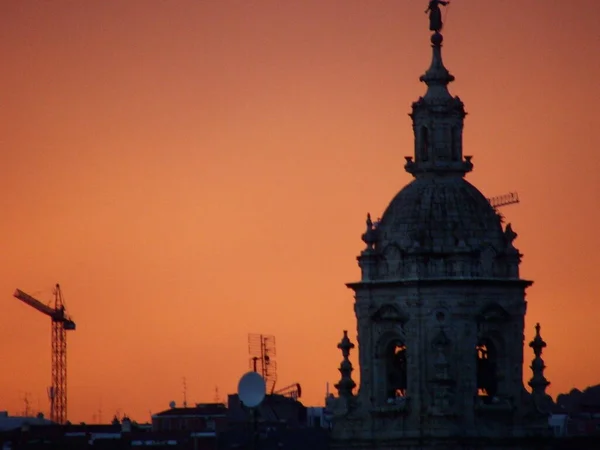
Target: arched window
x,y
396,370
487,376
424,143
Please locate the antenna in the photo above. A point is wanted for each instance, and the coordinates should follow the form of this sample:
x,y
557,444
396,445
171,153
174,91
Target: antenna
x,y
27,411
184,393
504,200
217,396
293,391
262,358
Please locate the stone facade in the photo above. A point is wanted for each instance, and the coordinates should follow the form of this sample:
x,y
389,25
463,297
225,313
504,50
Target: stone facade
x,y
440,308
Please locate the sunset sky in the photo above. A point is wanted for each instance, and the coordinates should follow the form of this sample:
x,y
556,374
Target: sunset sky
x,y
191,171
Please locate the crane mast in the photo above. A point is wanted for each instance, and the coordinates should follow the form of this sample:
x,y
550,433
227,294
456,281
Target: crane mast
x,y
61,323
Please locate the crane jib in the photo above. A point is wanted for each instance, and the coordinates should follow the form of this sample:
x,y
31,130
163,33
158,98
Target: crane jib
x,y
57,315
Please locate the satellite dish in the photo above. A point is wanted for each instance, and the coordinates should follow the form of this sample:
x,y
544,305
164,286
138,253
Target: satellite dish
x,y
172,405
252,389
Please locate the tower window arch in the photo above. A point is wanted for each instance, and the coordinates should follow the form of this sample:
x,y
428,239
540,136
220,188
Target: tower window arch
x,y
424,139
396,369
487,369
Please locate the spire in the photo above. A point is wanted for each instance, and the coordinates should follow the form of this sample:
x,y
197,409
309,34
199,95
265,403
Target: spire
x,y
438,117
437,76
346,384
538,382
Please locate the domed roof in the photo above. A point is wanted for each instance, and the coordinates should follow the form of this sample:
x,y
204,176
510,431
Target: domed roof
x,y
439,227
440,215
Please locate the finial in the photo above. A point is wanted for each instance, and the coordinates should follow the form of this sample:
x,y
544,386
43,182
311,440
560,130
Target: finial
x,y
346,383
510,235
369,237
345,345
538,381
537,344
437,76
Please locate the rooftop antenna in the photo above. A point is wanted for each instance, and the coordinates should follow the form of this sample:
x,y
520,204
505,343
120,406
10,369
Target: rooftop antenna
x,y
262,358
27,410
252,389
184,393
504,200
217,396
293,391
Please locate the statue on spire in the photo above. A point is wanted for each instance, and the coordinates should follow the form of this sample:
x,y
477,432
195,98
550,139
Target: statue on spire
x,y
435,14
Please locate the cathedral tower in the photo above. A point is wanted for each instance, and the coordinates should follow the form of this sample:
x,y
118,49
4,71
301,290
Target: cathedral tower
x,y
440,306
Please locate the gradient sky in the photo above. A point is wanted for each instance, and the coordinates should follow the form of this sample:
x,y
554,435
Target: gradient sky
x,y
191,171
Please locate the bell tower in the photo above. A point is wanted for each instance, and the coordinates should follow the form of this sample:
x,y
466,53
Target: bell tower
x,y
440,306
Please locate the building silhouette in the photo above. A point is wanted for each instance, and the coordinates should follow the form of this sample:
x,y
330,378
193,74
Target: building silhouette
x,y
440,308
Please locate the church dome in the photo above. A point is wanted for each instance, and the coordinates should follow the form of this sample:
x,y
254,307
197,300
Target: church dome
x,y
439,227
440,215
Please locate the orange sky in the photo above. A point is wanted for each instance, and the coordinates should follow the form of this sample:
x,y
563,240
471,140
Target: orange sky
x,y
191,171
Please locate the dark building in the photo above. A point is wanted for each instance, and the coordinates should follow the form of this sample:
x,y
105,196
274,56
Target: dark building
x,y
204,417
274,411
288,439
114,436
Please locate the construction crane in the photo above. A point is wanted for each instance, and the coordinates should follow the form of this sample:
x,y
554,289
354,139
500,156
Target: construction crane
x,y
61,323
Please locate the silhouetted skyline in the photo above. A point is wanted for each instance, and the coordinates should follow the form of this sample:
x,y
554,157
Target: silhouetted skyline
x,y
191,173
